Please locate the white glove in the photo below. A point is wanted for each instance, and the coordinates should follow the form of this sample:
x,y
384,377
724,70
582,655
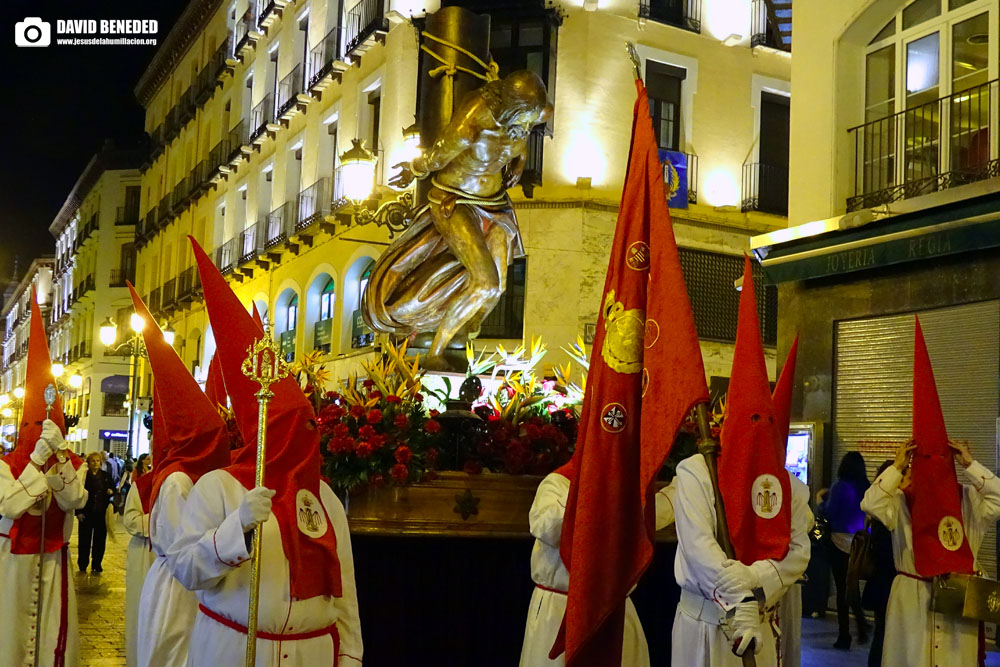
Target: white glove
x,y
43,450
736,580
747,628
255,508
52,435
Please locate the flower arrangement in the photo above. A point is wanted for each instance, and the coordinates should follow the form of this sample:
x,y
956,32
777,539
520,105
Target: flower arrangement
x,y
377,430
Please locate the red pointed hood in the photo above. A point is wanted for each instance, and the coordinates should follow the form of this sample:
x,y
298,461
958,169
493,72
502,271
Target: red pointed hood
x,y
215,386
782,397
25,532
755,487
293,456
195,436
940,544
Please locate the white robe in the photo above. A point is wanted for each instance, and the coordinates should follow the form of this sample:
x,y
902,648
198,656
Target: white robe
x,y
915,636
19,573
137,562
697,638
211,558
548,604
166,609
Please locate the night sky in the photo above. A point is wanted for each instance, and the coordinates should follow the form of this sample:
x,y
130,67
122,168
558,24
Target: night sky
x,y
60,103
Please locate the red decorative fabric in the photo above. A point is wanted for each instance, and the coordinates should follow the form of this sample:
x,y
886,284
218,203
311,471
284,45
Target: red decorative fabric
x,y
189,436
646,373
332,631
144,487
215,386
758,508
936,492
293,456
782,397
25,532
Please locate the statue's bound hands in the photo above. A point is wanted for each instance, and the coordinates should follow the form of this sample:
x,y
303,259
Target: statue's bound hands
x,y
512,172
405,176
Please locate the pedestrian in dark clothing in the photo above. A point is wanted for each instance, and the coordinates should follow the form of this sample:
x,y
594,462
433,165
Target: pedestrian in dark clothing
x,y
843,509
879,583
93,527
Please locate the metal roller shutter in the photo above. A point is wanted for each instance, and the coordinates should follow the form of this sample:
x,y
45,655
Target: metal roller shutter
x,y
873,385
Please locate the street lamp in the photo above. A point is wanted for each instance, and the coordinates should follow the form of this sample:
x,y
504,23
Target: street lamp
x,y
75,381
58,370
137,323
108,332
169,335
358,172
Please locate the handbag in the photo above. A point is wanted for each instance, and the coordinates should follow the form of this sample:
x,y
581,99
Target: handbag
x,y
860,561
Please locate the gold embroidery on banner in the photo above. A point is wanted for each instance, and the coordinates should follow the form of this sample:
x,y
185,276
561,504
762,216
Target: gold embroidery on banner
x,y
645,381
624,331
950,533
652,333
637,256
613,418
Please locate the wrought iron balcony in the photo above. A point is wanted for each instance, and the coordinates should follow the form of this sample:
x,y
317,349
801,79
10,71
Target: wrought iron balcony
x,y
684,14
246,29
935,146
188,284
260,116
153,301
179,197
765,188
364,20
238,137
322,57
163,216
771,24
119,276
225,256
127,215
169,295
313,204
288,90
281,224
252,242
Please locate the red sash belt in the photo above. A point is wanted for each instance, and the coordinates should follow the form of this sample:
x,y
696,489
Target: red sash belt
x,y
277,637
913,576
551,590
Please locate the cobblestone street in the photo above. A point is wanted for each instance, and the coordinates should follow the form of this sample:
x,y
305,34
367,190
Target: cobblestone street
x,y
101,603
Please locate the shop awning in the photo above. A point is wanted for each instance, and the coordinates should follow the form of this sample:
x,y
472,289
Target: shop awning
x,y
825,248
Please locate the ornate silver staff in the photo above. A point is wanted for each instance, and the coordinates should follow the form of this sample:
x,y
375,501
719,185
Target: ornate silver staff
x,y
264,366
50,399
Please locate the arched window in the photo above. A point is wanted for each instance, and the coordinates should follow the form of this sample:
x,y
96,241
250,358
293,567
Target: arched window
x,y
326,299
927,101
363,281
292,314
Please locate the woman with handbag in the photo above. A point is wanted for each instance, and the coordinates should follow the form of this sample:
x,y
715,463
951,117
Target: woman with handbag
x,y
843,509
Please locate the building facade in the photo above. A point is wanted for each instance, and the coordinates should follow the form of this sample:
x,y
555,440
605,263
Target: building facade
x,y
94,235
250,105
16,316
895,211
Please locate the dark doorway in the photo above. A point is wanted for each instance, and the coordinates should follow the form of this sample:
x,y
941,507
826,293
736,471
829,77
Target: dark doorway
x,y
773,184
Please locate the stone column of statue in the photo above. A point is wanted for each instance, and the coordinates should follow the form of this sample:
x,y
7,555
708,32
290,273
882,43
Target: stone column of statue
x,y
448,270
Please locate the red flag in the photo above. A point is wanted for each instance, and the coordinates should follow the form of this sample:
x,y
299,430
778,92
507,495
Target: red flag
x,y
645,350
755,488
935,496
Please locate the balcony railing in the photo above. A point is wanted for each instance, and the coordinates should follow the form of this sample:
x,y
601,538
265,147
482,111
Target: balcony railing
x,y
127,215
771,24
244,26
119,276
322,56
935,146
765,188
219,155
261,115
288,89
179,196
252,242
163,211
281,224
226,255
169,295
362,20
314,203
153,301
188,284
239,136
684,14
264,10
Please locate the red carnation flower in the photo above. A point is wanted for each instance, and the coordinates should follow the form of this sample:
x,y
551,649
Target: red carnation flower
x,y
374,416
366,432
434,413
341,429
368,384
403,454
332,396
357,411
392,398
374,393
400,473
432,426
377,441
363,450
532,432
401,421
419,398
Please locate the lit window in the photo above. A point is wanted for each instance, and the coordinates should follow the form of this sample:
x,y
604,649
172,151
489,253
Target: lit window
x,y
363,283
326,301
292,313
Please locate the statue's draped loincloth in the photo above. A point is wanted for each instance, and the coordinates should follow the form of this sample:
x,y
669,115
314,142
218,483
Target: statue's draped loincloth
x,y
417,278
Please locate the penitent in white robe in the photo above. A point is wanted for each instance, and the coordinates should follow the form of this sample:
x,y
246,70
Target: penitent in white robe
x,y
548,601
915,636
19,573
166,609
697,638
211,558
137,562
